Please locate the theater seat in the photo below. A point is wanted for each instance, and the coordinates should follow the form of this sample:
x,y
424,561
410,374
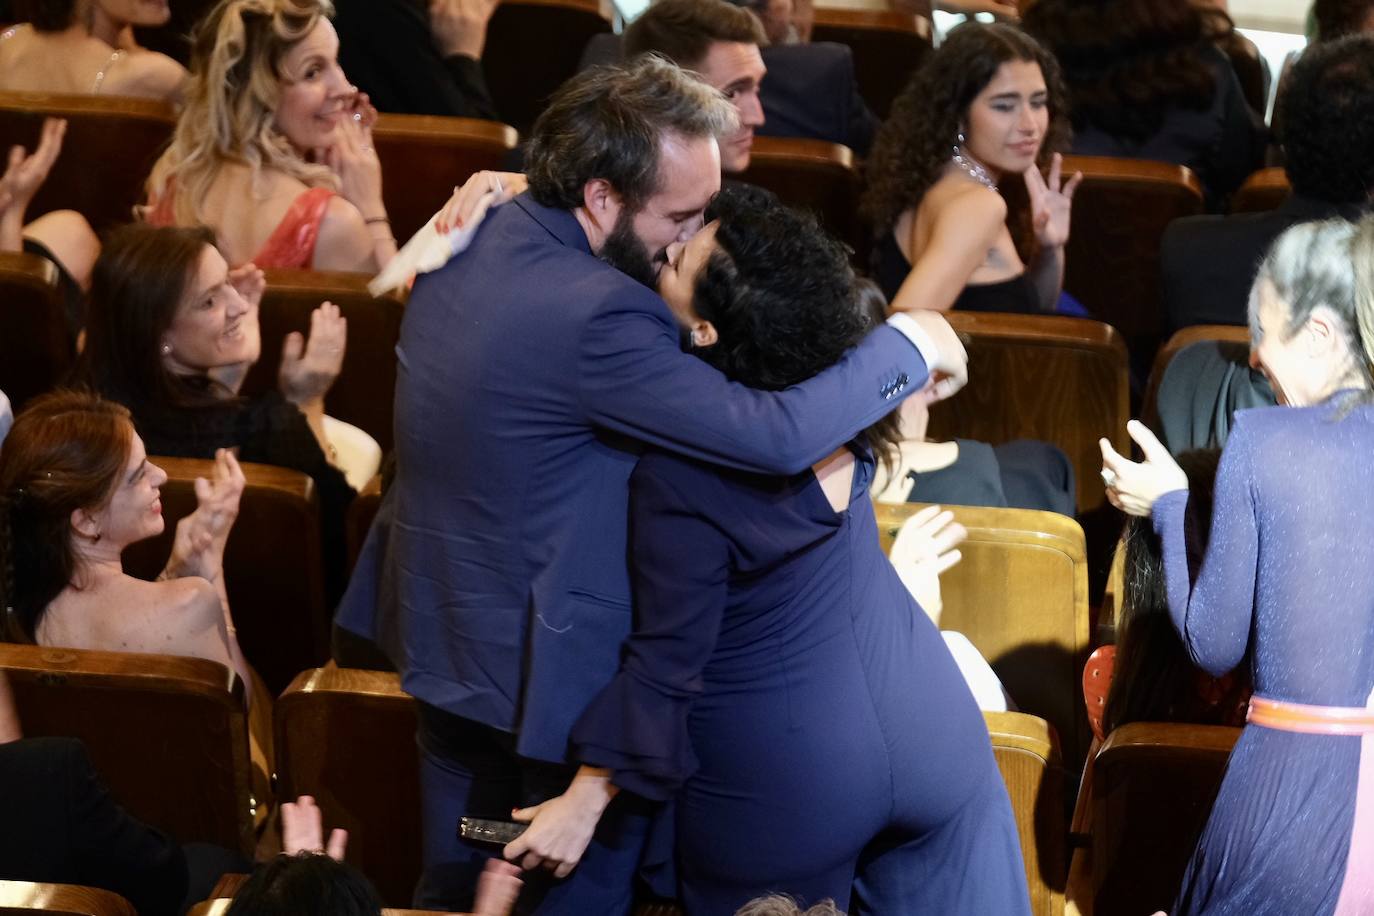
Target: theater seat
x,y
20,897
347,737
360,515
1152,788
424,156
167,734
888,47
811,175
1062,380
533,46
35,350
221,906
364,391
109,149
1027,754
1111,262
1263,190
272,567
1020,595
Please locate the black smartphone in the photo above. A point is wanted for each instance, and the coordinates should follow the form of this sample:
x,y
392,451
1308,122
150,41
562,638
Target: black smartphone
x,y
484,831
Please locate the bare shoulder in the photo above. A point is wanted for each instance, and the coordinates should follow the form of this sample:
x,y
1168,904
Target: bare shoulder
x,y
967,200
149,74
124,614
344,242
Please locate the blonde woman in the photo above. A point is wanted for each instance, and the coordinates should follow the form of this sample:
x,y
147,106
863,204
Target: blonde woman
x,y
273,150
87,47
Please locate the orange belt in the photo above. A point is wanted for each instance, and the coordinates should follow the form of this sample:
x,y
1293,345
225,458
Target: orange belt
x,y
1312,720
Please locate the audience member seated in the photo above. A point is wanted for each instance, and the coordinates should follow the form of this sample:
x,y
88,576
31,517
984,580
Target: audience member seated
x,y
1024,474
440,70
171,332
778,905
810,90
77,489
1154,680
310,877
273,150
62,237
87,47
1208,263
986,110
1146,81
61,826
769,681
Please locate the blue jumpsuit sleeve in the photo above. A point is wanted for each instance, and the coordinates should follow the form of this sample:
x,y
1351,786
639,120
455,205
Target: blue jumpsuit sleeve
x,y
637,725
1213,613
634,378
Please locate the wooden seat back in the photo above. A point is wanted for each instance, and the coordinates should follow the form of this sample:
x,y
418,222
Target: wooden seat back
x,y
533,46
1263,190
364,391
35,350
360,515
1112,259
888,47
1061,380
811,175
1184,337
167,734
220,906
1020,595
424,156
109,149
347,737
1153,785
272,566
1028,757
20,897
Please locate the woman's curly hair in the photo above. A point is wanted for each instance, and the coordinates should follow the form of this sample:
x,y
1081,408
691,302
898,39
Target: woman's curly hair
x,y
915,142
1127,62
779,291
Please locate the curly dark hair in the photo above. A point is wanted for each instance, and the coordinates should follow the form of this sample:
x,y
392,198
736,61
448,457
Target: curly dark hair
x,y
304,885
1327,114
1338,18
1127,61
779,291
914,144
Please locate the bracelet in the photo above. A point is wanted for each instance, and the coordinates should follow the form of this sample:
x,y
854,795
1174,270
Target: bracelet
x,y
377,219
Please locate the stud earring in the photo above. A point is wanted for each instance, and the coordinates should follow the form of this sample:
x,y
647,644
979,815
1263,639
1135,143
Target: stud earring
x,y
959,138
166,349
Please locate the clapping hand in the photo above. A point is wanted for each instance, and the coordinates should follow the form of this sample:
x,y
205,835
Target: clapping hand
x,y
302,831
926,546
460,26
1134,486
1050,202
198,546
309,367
497,889
25,174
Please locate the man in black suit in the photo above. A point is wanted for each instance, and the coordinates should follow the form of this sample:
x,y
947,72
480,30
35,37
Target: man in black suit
x,y
780,90
1208,263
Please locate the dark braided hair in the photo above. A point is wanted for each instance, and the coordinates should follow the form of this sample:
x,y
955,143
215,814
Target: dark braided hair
x,y
779,291
65,452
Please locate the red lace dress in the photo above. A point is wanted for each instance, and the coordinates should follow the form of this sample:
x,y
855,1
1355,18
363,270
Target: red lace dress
x,y
291,244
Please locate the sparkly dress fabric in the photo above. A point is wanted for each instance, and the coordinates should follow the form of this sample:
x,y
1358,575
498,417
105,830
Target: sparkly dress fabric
x,y
1287,571
782,685
292,242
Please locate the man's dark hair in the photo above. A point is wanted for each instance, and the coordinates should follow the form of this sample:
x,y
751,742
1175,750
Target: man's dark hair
x,y
1327,114
779,291
306,885
609,122
1338,18
684,30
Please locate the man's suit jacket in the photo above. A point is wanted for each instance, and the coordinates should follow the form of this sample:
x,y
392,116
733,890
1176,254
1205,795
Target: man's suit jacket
x,y
58,824
496,577
809,92
1208,263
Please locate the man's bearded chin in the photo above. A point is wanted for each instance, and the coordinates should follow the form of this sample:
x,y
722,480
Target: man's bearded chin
x,y
626,253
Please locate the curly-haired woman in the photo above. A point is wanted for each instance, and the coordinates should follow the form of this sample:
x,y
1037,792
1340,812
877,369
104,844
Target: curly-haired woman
x,y
984,114
273,150
1147,81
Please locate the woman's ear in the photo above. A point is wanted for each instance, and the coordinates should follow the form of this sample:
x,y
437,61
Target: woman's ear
x,y
1322,330
84,523
704,334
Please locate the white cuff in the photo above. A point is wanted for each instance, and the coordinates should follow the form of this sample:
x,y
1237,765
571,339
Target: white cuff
x,y
911,329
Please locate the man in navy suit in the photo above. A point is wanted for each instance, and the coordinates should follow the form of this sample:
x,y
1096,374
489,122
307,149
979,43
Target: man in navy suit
x,y
530,367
